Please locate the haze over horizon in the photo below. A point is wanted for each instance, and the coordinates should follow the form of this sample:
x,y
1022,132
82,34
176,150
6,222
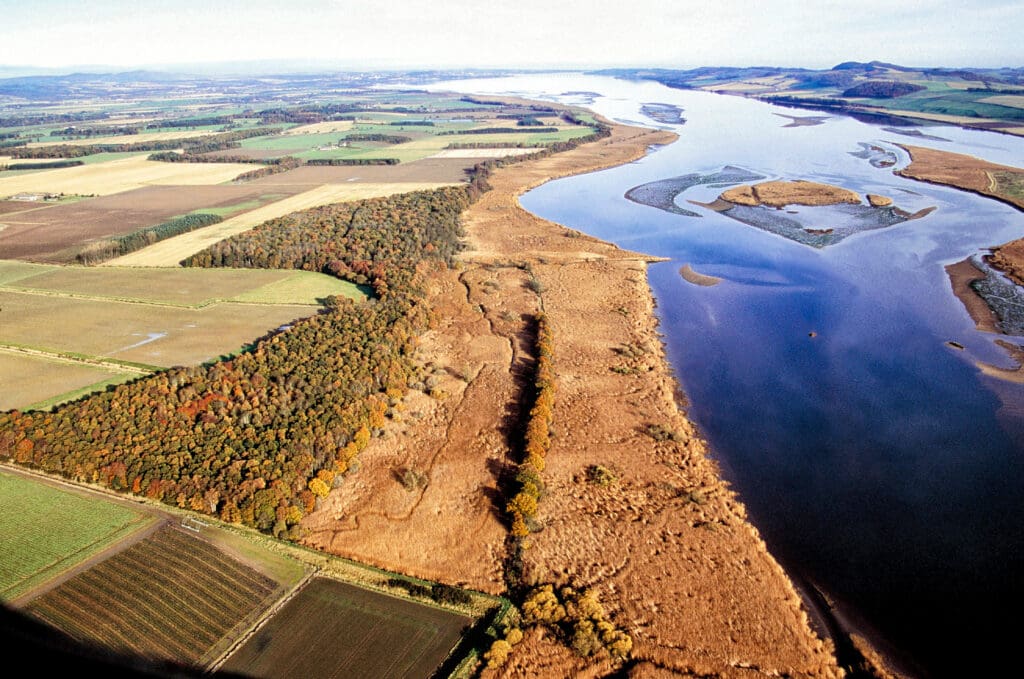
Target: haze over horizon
x,y
408,34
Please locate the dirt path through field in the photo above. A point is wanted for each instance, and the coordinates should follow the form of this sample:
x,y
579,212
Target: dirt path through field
x,y
666,545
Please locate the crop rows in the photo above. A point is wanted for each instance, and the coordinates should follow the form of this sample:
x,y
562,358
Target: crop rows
x,y
171,596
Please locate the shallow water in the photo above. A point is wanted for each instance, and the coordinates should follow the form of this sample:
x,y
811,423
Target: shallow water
x,y
877,462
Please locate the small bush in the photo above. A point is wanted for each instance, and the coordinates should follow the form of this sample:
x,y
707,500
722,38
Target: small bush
x,y
599,475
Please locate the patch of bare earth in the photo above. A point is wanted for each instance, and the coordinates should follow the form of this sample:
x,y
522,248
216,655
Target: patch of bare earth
x,y
666,545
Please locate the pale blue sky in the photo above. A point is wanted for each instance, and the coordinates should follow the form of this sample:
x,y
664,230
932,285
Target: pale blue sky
x,y
529,33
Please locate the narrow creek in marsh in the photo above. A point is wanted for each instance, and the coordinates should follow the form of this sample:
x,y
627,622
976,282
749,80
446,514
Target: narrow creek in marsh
x,y
878,462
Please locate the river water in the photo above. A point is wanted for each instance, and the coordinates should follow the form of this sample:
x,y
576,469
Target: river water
x,y
878,462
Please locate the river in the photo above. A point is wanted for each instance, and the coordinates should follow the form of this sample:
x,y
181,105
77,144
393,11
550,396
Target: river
x,y
877,461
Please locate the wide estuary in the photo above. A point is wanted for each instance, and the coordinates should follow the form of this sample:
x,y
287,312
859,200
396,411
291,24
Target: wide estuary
x,y
836,378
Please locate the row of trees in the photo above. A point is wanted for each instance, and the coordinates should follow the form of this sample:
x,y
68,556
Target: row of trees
x,y
522,508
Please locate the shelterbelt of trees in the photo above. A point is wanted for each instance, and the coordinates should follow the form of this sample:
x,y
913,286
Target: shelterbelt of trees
x,y
257,438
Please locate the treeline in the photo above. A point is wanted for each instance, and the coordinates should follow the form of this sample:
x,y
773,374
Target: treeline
x,y
271,166
522,508
494,145
13,143
385,138
193,122
421,123
52,118
258,438
95,131
140,238
52,165
312,113
191,145
353,161
498,130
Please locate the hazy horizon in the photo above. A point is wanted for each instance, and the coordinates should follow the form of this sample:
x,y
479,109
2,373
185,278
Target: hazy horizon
x,y
416,34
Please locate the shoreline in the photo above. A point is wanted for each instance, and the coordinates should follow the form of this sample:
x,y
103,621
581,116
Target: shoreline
x,y
668,510
555,553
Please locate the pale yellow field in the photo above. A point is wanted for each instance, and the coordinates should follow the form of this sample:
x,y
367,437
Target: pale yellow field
x,y
173,250
120,175
321,128
129,138
482,153
1011,100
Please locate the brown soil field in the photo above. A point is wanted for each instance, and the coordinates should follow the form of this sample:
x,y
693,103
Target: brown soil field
x,y
9,206
54,233
783,193
666,546
335,629
171,596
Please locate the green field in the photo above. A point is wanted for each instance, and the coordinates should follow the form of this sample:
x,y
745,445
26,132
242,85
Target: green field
x,y
45,530
230,210
335,629
171,596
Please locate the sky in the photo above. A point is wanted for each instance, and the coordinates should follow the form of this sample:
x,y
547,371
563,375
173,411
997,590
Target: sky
x,y
376,34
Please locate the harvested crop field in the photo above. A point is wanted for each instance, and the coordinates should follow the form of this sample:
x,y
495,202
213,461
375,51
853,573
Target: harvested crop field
x,y
120,175
172,596
171,251
141,138
32,380
188,287
148,334
333,629
320,128
46,530
54,233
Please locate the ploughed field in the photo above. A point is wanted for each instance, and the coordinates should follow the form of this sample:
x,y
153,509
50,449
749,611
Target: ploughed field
x,y
334,629
171,596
